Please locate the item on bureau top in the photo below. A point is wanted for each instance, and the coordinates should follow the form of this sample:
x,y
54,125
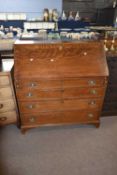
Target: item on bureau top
x,y
42,34
55,15
63,17
10,35
1,28
79,35
8,107
6,44
11,28
2,35
59,83
70,16
46,15
50,15
77,17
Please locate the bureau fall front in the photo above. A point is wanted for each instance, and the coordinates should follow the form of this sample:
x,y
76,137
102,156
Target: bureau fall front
x,y
59,83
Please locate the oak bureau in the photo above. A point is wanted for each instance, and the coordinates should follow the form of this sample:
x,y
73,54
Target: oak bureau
x,y
59,82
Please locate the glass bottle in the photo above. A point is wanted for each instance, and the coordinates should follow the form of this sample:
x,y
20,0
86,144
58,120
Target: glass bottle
x,y
63,17
77,17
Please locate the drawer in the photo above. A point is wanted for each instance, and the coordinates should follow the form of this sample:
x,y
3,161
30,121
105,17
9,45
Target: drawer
x,y
7,105
35,94
38,84
4,81
83,92
60,93
5,93
68,117
8,118
84,82
61,105
51,84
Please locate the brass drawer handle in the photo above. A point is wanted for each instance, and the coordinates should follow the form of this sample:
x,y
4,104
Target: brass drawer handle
x,y
85,53
3,119
29,94
52,60
94,92
1,106
90,115
31,59
30,106
92,82
92,103
17,86
32,119
32,84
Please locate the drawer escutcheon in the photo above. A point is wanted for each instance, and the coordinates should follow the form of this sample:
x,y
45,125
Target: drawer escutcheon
x,y
92,103
90,115
30,106
85,53
32,119
31,59
32,84
92,82
93,91
29,94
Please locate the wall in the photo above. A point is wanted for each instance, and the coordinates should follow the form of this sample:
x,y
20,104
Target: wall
x,y
33,8
87,8
103,3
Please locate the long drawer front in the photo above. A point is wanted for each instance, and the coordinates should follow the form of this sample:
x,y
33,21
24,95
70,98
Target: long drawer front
x,y
60,93
53,84
60,117
60,105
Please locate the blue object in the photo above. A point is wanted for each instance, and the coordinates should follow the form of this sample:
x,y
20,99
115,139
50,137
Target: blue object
x,y
14,23
72,24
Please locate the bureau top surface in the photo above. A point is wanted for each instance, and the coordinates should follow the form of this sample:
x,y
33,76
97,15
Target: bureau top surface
x,y
54,42
62,59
